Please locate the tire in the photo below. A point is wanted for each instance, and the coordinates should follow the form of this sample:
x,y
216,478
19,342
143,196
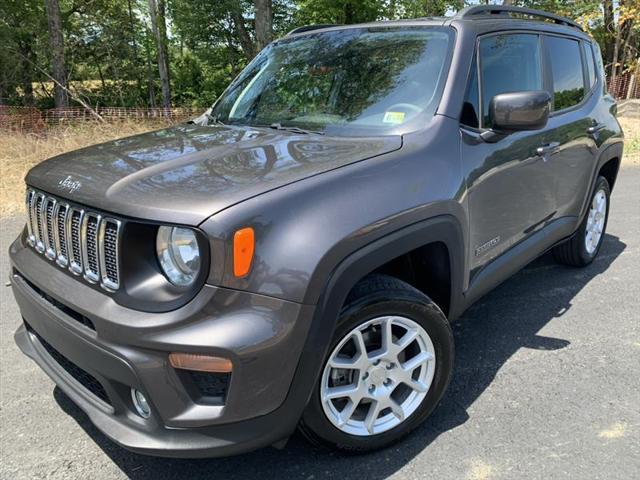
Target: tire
x,y
389,301
578,251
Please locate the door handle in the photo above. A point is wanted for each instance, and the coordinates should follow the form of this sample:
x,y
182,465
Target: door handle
x,y
596,128
545,150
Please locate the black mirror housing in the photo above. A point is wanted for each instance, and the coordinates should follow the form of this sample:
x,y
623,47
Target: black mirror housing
x,y
512,112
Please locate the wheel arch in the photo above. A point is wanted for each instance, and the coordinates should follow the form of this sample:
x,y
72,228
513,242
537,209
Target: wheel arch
x,y
355,266
609,170
608,162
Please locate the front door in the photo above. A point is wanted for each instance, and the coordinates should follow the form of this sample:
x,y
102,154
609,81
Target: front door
x,y
510,187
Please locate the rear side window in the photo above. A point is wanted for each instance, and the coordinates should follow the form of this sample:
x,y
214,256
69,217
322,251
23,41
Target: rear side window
x,y
509,63
591,68
566,69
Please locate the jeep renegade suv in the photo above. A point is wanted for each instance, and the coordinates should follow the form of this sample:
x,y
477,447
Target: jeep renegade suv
x,y
295,256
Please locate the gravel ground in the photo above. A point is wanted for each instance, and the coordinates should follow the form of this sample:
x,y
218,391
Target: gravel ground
x,y
546,386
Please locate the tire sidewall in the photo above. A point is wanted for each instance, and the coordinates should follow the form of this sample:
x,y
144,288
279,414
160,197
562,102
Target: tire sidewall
x,y
427,315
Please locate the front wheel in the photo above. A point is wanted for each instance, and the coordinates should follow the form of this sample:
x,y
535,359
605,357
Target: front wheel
x,y
583,247
388,365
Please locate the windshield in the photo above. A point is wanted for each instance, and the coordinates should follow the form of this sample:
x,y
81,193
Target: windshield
x,y
358,81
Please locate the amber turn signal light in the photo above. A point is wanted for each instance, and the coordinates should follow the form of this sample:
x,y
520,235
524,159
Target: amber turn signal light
x,y
243,247
200,363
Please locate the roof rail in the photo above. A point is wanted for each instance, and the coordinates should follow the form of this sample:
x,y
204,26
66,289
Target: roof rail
x,y
478,10
308,28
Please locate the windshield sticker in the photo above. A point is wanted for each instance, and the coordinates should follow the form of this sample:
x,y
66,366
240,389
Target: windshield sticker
x,y
393,117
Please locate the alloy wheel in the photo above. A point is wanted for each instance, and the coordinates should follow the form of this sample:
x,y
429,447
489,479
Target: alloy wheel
x,y
595,221
377,375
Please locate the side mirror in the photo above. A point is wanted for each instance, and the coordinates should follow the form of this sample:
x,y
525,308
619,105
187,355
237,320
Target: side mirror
x,y
512,112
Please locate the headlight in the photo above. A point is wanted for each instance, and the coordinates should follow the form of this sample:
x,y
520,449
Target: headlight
x,y
178,254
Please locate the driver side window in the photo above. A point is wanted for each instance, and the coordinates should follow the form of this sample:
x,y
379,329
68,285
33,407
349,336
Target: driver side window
x,y
508,63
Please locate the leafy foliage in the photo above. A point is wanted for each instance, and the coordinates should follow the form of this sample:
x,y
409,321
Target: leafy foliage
x,y
111,52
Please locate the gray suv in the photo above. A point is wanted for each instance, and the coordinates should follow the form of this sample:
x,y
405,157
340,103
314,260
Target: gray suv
x,y
295,256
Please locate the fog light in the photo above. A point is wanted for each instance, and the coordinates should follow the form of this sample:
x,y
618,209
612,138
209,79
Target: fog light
x,y
141,404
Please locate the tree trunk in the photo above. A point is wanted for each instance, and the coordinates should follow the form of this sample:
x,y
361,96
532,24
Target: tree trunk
x,y
56,42
507,2
132,32
96,61
632,86
134,49
231,55
26,73
242,34
614,60
609,35
348,13
151,86
263,23
157,12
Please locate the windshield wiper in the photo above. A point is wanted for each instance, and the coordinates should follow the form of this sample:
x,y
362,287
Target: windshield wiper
x,y
214,119
279,126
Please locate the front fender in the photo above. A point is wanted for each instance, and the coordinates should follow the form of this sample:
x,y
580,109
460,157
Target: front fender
x,y
303,231
347,273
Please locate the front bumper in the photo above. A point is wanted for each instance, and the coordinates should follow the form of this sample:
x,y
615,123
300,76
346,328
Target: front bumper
x,y
123,348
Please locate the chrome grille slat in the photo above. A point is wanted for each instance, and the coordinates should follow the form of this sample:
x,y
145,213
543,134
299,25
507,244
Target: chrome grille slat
x,y
34,218
31,238
108,252
60,235
73,234
37,210
81,240
89,240
48,209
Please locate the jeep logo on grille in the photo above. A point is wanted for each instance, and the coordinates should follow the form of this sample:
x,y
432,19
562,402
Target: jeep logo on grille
x,y
69,184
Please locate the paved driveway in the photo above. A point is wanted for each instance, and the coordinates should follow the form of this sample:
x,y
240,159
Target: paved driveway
x,y
546,386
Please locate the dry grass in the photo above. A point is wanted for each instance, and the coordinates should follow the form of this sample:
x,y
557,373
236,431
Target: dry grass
x,y
21,151
631,127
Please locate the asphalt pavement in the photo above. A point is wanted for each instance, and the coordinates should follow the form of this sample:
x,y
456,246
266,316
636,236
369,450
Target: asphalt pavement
x,y
546,385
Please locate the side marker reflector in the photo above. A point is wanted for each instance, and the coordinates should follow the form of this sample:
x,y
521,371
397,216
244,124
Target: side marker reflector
x,y
243,248
200,363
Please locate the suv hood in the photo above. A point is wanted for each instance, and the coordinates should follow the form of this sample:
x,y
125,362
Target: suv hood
x,y
187,173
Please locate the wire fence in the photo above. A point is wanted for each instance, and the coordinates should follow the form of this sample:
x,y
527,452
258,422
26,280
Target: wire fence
x,y
625,87
33,119
12,118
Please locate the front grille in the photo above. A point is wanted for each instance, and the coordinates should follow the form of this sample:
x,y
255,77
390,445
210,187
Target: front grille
x,y
79,239
88,381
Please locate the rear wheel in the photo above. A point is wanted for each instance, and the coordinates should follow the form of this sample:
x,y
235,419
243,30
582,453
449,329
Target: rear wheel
x,y
389,364
584,245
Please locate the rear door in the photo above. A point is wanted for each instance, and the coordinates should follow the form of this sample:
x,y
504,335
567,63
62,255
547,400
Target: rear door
x,y
510,188
570,123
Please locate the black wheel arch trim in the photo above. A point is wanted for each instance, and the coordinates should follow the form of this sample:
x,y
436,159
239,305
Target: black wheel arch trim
x,y
614,150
